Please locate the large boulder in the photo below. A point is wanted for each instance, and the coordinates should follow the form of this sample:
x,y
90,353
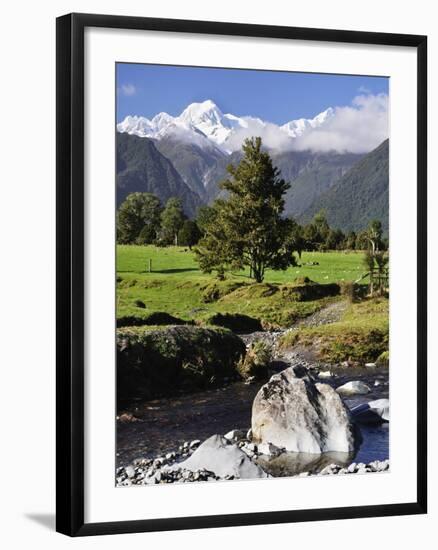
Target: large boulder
x,y
293,412
217,455
373,412
355,387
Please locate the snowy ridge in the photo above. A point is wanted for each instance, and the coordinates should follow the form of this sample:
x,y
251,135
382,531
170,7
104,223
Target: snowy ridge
x,y
204,125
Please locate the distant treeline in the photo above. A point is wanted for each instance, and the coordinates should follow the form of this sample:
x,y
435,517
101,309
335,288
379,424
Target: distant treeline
x,y
142,219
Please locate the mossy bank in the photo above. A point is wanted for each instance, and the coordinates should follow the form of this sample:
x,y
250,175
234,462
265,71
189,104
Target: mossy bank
x,y
155,361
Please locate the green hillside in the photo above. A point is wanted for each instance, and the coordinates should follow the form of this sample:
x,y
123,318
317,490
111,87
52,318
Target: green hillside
x,y
360,195
142,168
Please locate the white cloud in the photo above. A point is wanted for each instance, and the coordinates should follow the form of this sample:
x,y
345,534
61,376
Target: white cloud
x,y
271,135
363,90
357,128
128,89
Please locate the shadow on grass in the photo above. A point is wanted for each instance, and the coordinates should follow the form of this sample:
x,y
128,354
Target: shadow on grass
x,y
174,270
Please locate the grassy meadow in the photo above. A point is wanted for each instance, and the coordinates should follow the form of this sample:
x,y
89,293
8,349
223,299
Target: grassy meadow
x,y
177,286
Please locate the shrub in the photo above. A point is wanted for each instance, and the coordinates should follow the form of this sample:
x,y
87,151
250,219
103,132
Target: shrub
x,y
256,361
383,359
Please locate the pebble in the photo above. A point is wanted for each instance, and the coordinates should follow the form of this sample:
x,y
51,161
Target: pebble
x,y
148,471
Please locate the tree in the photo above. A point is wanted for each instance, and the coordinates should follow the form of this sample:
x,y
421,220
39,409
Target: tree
x,y
147,235
376,260
350,241
374,235
247,228
172,219
321,224
189,234
205,217
316,232
334,239
137,211
296,237
382,260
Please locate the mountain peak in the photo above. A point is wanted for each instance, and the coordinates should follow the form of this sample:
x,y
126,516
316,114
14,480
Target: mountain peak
x,y
204,124
207,112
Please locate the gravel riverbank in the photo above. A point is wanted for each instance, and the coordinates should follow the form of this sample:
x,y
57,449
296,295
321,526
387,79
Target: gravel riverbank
x,y
164,469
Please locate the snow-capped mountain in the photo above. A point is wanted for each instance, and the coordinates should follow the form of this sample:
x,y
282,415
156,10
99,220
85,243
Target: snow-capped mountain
x,y
204,124
298,127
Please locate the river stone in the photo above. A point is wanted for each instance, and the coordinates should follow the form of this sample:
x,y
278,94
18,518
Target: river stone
x,y
373,412
224,459
325,374
235,435
355,387
293,412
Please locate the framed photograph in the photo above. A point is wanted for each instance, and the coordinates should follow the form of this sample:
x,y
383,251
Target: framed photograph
x,y
241,274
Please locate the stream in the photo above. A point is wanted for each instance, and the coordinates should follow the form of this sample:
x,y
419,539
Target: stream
x,y
163,425
166,423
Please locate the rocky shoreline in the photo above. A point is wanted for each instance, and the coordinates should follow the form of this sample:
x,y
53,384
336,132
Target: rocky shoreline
x,y
170,468
300,426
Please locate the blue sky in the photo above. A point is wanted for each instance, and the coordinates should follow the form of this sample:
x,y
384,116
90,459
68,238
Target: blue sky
x,y
274,96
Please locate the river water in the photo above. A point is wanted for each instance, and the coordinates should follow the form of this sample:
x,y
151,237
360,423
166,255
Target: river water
x,y
166,423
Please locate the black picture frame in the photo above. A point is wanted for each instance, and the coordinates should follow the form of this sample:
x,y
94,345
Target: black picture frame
x,y
70,272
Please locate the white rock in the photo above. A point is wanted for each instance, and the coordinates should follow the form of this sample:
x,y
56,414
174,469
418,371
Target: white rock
x,y
218,456
355,387
269,449
373,412
235,435
370,365
194,443
293,412
325,374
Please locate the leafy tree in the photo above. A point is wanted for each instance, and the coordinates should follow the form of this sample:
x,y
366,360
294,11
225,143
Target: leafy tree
x,y
205,217
311,237
296,237
316,232
189,234
147,235
138,210
350,241
247,228
172,219
321,224
334,240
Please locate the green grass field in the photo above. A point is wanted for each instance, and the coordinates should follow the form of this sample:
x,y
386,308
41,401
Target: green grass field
x,y
172,260
177,286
